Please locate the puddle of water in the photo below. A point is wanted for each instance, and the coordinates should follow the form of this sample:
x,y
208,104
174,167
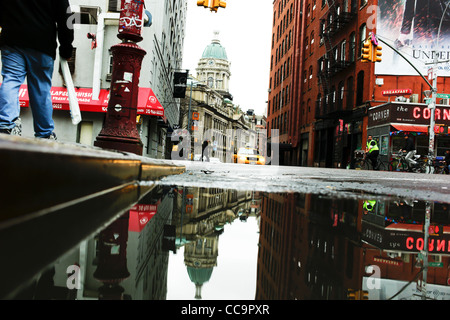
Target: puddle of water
x,y
188,243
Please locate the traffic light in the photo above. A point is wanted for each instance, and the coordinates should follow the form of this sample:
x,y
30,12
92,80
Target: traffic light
x,y
204,3
352,294
377,54
216,4
367,54
441,129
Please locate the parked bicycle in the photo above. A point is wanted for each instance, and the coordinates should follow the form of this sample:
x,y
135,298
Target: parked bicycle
x,y
399,163
440,166
364,163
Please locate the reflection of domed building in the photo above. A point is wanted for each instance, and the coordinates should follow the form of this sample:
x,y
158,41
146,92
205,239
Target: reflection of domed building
x,y
214,68
200,257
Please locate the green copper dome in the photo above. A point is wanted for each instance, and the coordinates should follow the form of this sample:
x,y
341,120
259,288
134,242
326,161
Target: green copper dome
x,y
215,51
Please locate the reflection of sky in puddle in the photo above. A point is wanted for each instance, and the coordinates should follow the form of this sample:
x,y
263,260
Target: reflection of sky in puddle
x,y
247,245
234,277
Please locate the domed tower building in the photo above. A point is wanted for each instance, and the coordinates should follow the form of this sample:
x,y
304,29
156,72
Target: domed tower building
x,y
214,68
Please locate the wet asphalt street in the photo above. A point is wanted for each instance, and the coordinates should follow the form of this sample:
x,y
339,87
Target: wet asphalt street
x,y
333,182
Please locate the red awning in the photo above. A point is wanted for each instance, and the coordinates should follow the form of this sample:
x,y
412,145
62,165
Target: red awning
x,y
411,127
148,104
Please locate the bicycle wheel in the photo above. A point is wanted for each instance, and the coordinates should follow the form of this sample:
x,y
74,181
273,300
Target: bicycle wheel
x,y
367,165
382,166
397,165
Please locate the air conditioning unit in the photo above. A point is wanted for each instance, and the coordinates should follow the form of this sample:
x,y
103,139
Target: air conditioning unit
x,y
401,99
444,101
414,98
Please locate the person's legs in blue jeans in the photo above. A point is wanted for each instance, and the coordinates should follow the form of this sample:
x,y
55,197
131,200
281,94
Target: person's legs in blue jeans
x,y
38,68
39,79
13,74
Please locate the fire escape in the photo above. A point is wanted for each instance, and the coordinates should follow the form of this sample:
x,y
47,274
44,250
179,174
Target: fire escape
x,y
336,19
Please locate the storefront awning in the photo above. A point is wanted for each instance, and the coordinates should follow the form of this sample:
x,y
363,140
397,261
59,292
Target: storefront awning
x,y
410,127
148,104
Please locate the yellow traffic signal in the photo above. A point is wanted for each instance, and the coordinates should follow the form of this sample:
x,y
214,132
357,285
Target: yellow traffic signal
x,y
216,4
367,54
204,3
352,294
377,54
364,295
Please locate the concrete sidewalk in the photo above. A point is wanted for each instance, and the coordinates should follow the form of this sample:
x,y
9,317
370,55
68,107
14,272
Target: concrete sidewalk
x,y
38,174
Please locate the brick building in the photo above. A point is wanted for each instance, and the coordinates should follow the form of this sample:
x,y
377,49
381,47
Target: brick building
x,y
321,93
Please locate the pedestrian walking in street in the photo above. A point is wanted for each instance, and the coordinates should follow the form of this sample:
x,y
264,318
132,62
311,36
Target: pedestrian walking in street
x,y
205,150
410,150
372,151
28,45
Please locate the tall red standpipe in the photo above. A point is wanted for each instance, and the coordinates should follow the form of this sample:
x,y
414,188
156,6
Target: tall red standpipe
x,y
119,130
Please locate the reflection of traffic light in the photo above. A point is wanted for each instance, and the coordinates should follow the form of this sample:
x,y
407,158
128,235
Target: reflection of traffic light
x,y
352,294
366,54
364,295
435,230
377,53
216,4
204,3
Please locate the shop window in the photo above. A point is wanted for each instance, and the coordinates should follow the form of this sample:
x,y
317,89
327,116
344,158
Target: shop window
x,y
384,145
422,142
443,144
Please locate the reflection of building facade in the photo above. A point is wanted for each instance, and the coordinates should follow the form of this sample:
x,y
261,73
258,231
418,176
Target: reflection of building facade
x,y
146,257
308,247
394,234
200,215
312,247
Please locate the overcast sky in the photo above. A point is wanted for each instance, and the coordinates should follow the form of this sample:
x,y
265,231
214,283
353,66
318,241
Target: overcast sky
x,y
245,28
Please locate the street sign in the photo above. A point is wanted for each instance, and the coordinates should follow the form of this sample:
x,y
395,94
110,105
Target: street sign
x,y
443,95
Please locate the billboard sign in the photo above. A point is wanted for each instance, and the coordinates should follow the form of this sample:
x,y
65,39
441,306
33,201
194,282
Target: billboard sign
x,y
412,26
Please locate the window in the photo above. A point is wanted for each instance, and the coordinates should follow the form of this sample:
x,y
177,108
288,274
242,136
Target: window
x,y
352,49
343,48
114,5
362,38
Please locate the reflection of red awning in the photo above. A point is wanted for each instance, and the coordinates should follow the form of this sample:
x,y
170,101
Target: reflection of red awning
x,y
411,127
140,215
148,104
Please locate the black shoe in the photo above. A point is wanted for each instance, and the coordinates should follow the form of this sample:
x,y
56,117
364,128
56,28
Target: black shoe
x,y
5,131
52,136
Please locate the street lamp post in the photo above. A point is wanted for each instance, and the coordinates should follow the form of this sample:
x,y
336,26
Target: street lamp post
x,y
432,105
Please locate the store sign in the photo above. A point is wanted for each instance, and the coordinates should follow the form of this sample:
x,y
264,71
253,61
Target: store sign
x,y
397,92
406,113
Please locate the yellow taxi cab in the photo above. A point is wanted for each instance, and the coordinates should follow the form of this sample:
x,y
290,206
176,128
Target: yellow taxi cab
x,y
249,156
